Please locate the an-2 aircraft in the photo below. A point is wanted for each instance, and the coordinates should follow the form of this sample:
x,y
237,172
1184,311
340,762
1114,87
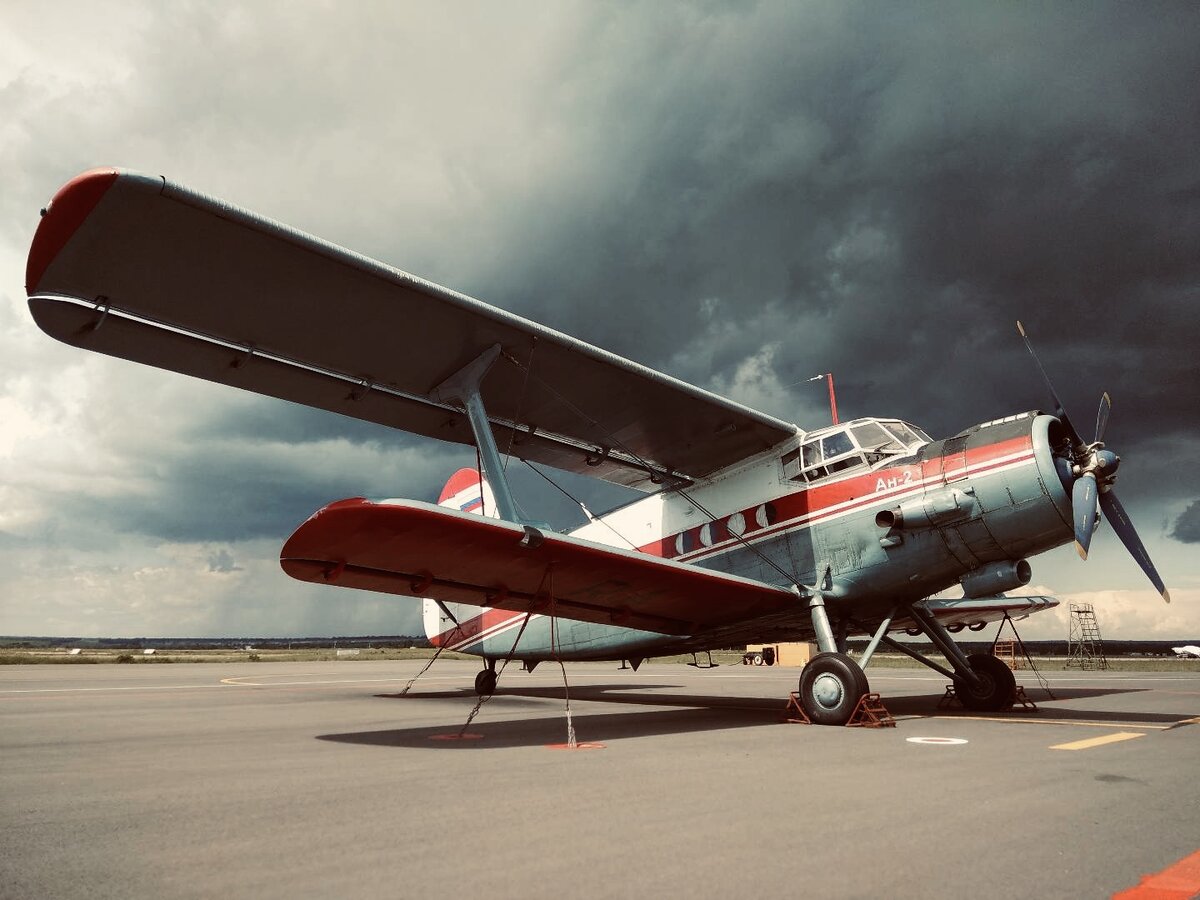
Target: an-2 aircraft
x,y
751,530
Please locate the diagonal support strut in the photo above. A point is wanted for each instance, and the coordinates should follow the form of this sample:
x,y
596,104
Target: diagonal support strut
x,y
463,387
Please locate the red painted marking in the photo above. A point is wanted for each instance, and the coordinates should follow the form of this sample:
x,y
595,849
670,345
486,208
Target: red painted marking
x,y
459,481
1179,881
486,621
816,503
72,204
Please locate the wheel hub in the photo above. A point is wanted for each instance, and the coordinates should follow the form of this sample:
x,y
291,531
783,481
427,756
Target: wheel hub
x,y
828,690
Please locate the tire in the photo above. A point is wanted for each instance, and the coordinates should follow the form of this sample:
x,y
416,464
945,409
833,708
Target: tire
x,y
769,656
758,659
485,682
830,687
998,689
977,626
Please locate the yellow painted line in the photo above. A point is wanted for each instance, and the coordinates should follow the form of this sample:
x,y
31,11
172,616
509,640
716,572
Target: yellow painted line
x,y
1100,741
1061,722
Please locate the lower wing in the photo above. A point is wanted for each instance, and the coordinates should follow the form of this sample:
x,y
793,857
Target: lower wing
x,y
420,550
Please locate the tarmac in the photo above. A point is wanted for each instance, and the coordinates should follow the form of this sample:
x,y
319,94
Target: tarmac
x,y
321,779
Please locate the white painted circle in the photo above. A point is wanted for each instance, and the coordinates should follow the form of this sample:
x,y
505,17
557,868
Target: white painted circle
x,y
737,523
936,740
706,536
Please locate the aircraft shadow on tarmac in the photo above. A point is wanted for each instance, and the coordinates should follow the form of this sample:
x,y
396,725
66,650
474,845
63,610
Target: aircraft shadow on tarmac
x,y
551,729
701,713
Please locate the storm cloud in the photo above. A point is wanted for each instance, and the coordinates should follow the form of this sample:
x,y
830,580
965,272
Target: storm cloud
x,y
741,195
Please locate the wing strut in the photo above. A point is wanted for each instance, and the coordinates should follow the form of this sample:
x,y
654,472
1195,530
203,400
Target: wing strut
x,y
463,387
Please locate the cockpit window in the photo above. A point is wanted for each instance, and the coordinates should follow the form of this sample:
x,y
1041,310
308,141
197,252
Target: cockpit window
x,y
836,444
873,436
906,434
863,442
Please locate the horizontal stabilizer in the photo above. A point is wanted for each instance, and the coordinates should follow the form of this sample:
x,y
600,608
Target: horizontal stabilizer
x,y
978,611
421,550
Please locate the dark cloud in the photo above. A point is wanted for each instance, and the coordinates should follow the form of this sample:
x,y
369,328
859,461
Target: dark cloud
x,y
885,193
742,195
1187,526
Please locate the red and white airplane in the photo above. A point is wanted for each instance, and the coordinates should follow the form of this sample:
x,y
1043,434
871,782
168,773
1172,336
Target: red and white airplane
x,y
751,529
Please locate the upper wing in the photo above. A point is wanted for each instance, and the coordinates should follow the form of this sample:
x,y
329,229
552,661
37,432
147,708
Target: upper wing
x,y
420,550
137,267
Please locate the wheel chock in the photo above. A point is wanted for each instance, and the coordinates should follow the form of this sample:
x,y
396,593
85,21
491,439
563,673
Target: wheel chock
x,y
794,712
1021,698
871,713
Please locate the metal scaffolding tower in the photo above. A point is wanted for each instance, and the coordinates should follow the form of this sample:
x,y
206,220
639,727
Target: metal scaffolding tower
x,y
1085,649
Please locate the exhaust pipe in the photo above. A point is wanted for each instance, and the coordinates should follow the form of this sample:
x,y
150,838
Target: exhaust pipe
x,y
996,578
935,508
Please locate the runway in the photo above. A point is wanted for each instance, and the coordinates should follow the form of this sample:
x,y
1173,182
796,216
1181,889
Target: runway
x,y
317,779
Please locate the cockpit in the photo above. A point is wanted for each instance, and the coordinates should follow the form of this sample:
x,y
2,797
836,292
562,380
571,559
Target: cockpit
x,y
861,444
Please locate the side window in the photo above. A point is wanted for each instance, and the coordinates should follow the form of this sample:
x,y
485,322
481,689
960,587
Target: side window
x,y
791,465
812,454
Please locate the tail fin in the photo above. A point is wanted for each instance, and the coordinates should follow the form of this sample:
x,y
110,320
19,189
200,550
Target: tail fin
x,y
467,492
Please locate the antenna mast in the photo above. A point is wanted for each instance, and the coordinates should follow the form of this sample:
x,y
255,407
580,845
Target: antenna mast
x,y
828,376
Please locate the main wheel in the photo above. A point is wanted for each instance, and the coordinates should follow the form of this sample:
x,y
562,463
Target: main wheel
x,y
485,682
830,687
997,687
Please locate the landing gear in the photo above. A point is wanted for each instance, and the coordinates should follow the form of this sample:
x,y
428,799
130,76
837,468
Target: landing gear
x,y
995,686
485,681
830,687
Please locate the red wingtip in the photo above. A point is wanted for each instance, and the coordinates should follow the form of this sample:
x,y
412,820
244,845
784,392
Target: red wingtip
x,y
72,204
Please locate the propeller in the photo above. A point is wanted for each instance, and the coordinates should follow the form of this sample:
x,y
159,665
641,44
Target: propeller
x,y
1091,471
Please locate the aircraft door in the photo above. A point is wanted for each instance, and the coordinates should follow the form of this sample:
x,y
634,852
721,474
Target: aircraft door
x,y
954,459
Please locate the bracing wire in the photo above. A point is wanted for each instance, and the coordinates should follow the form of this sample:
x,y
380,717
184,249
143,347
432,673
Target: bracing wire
x,y
791,578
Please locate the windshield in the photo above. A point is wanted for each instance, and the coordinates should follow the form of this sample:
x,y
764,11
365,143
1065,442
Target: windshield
x,y
873,436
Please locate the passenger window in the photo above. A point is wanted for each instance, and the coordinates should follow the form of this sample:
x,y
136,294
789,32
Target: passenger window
x,y
812,454
836,445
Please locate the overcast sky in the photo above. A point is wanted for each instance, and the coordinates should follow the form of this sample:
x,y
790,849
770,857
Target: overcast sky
x,y
742,195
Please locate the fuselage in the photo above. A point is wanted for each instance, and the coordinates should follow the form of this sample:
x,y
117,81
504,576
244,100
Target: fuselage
x,y
884,525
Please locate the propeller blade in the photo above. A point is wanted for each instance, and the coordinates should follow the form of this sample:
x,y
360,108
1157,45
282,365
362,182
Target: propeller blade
x,y
1125,531
1102,416
1083,504
1059,410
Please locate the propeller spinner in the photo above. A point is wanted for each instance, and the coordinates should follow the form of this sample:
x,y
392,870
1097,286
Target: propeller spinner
x,y
1091,470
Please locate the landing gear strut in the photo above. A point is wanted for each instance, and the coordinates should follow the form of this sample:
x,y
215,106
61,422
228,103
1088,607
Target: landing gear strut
x,y
485,681
982,682
832,683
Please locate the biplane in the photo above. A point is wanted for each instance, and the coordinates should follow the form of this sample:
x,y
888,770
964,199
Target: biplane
x,y
747,528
